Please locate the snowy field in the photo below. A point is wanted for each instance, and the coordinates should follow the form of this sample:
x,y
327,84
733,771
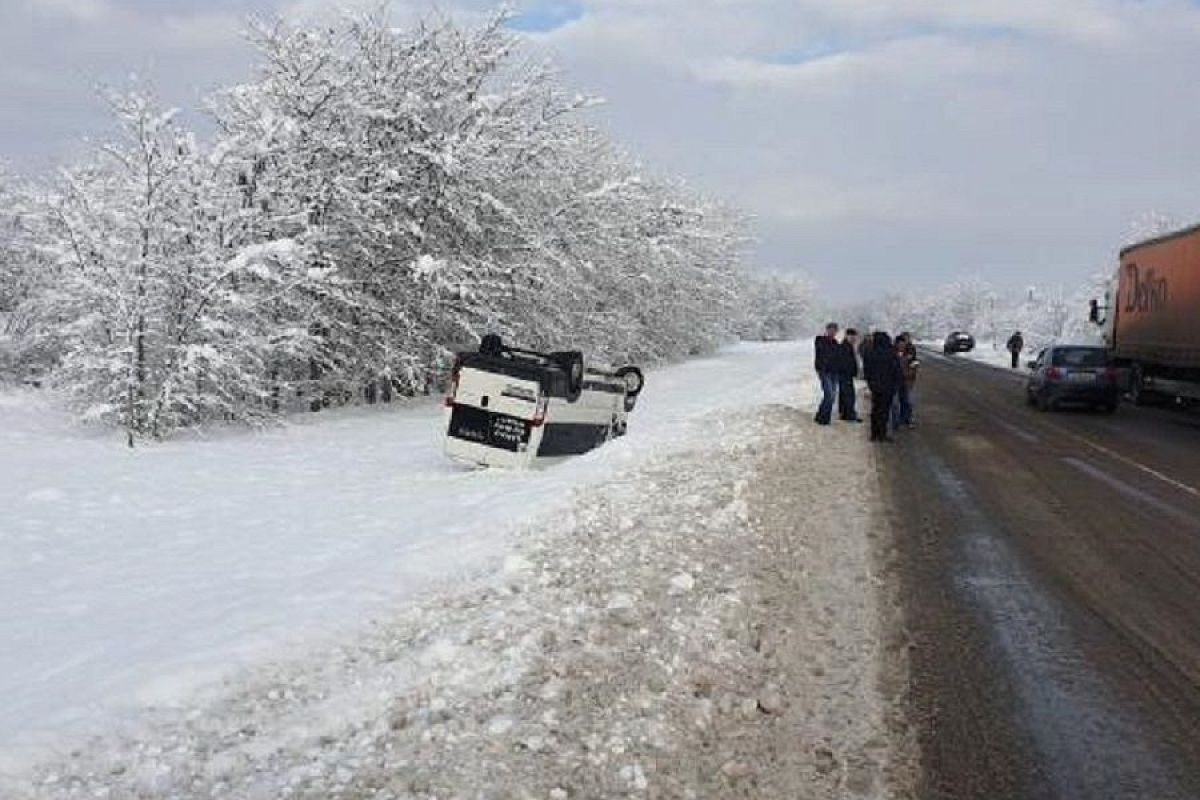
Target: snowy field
x,y
706,609
138,579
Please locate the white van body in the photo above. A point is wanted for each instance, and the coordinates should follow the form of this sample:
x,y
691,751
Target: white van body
x,y
517,408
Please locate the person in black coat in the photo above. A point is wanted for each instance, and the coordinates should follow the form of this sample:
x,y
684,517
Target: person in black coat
x,y
1016,343
826,350
847,371
884,374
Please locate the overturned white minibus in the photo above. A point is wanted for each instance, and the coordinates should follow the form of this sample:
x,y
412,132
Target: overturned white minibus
x,y
509,407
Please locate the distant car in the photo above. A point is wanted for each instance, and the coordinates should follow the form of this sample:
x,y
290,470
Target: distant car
x,y
1077,374
958,342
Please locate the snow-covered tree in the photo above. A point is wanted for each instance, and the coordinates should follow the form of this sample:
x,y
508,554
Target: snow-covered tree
x,y
373,199
456,188
777,307
164,307
1043,314
117,238
1150,224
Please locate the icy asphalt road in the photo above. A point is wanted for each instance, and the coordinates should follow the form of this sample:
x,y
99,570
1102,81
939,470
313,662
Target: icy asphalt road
x,y
1052,568
136,578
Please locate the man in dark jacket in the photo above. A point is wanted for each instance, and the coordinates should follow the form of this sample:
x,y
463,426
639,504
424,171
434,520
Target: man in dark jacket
x,y
1016,343
826,347
847,371
881,368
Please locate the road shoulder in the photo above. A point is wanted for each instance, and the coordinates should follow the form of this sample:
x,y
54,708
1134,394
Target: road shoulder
x,y
719,623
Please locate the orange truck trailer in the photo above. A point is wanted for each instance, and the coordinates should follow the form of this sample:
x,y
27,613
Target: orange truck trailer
x,y
1151,317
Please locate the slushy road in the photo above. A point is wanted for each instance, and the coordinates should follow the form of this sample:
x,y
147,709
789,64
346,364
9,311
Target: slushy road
x,y
1052,579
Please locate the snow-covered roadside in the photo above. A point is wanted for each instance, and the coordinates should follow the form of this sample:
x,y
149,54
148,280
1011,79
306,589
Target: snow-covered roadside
x,y
133,579
996,355
992,354
712,623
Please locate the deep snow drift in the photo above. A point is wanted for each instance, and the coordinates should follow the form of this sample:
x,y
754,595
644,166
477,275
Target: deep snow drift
x,y
135,578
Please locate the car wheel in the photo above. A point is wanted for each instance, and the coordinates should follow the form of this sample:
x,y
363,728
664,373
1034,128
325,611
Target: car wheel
x,y
1110,408
1044,403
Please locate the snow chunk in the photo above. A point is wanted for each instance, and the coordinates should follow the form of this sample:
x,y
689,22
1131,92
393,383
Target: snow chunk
x,y
516,564
621,601
498,726
682,583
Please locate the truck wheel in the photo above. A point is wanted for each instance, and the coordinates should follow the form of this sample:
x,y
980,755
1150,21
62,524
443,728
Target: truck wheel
x,y
571,362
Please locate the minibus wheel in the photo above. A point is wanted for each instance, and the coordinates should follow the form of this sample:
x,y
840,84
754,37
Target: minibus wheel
x,y
633,378
571,362
491,345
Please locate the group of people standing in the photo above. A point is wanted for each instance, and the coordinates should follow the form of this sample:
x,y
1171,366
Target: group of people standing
x,y
889,368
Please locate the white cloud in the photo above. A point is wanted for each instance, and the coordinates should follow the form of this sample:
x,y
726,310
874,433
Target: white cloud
x,y
916,60
880,140
1094,21
73,10
815,199
204,31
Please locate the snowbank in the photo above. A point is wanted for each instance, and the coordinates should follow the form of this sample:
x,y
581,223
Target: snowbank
x,y
712,622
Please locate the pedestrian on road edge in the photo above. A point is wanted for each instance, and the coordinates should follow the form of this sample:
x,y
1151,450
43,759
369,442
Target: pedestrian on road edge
x,y
1016,343
847,370
907,353
826,360
881,367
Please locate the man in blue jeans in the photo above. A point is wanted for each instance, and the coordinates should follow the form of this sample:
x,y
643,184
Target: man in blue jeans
x,y
826,363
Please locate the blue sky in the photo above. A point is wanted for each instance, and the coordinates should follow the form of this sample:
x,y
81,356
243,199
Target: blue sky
x,y
547,16
879,145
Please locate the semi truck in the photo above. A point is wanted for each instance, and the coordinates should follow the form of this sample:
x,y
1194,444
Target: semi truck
x,y
1151,317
